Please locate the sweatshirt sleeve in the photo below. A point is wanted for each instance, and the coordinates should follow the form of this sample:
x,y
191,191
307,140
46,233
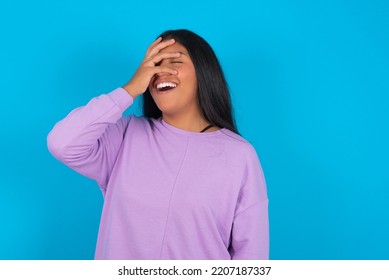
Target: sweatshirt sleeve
x,y
89,137
250,229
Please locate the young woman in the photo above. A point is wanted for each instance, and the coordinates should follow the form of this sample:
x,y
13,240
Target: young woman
x,y
178,182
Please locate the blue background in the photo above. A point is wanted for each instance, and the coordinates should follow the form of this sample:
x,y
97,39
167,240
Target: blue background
x,y
309,83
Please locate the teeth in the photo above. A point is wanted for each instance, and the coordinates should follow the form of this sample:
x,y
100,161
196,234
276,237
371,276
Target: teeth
x,y
168,84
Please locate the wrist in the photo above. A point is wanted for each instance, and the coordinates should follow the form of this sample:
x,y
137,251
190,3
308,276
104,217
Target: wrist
x,y
130,90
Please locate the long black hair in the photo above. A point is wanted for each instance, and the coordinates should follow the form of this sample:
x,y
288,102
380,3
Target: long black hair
x,y
213,93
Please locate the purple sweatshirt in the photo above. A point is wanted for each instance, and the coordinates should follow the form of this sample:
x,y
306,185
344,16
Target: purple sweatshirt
x,y
168,193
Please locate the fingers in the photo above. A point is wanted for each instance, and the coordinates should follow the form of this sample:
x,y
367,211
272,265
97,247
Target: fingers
x,y
157,58
153,57
154,43
157,46
161,69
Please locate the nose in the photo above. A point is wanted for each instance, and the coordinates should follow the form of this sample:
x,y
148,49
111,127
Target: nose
x,y
158,75
163,62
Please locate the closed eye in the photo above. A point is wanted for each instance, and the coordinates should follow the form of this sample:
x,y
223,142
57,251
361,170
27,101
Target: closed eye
x,y
176,61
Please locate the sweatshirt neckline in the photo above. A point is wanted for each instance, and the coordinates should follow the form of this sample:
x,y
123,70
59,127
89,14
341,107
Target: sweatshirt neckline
x,y
190,133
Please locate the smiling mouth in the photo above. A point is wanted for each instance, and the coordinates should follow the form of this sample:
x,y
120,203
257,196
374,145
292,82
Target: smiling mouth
x,y
166,86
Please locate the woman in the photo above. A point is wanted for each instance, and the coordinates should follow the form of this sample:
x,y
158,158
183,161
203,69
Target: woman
x,y
178,182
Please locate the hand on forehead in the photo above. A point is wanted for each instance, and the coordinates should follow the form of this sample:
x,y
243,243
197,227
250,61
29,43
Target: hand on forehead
x,y
176,47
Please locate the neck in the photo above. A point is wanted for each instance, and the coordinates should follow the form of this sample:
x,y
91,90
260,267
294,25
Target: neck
x,y
190,122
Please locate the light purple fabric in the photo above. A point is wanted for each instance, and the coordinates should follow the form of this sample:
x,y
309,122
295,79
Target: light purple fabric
x,y
168,193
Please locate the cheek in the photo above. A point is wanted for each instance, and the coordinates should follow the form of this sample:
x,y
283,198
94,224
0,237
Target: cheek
x,y
188,78
151,90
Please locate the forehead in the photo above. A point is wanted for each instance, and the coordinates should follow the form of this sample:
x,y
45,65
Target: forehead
x,y
176,47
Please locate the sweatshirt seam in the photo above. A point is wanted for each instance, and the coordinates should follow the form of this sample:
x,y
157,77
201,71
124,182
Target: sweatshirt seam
x,y
251,206
117,102
171,198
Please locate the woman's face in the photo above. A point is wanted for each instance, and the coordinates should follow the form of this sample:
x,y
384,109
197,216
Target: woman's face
x,y
175,94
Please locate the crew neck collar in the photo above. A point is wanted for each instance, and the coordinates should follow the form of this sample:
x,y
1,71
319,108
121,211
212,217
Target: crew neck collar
x,y
190,133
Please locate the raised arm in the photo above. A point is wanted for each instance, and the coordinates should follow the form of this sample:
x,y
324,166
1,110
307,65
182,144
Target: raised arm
x,y
88,139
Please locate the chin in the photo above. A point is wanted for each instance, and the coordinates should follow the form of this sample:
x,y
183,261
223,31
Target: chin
x,y
166,107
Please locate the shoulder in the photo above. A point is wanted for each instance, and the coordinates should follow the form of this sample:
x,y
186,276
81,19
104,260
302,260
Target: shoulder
x,y
139,125
238,150
134,120
238,142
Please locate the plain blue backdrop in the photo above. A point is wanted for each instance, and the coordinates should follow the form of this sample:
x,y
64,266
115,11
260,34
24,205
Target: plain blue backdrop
x,y
309,84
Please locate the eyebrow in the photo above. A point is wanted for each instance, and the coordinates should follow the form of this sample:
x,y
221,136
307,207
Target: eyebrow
x,y
183,53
